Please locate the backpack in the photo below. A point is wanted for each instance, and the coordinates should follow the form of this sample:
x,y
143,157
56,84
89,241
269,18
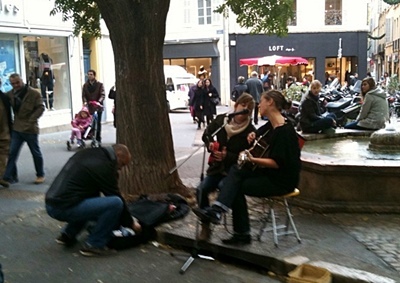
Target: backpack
x,y
234,95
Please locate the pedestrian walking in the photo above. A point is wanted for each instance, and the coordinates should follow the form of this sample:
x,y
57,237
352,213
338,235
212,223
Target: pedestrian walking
x,y
255,88
211,100
28,107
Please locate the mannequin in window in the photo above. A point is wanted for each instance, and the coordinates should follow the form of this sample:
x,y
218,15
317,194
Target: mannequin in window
x,y
46,80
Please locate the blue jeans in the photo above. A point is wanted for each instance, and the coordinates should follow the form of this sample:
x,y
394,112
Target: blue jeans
x,y
17,140
208,185
105,211
354,126
321,124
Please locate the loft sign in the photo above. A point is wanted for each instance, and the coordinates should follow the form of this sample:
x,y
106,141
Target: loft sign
x,y
8,8
274,48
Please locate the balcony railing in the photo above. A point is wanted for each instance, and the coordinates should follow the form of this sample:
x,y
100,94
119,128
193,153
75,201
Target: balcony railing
x,y
333,17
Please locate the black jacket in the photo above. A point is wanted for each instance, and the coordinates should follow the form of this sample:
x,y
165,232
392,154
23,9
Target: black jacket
x,y
238,91
310,111
234,145
87,174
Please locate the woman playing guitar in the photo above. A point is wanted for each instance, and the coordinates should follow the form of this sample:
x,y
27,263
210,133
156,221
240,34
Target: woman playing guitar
x,y
275,172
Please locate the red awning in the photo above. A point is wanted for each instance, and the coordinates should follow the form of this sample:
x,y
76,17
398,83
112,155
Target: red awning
x,y
273,60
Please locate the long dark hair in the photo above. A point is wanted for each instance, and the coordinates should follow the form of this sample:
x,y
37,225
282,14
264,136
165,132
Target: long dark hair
x,y
371,82
280,100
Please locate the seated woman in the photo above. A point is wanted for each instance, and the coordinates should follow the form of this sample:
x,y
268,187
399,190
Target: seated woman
x,y
275,172
311,120
232,139
374,110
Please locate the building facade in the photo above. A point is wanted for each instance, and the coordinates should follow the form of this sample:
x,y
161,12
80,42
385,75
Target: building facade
x,y
329,34
44,51
384,42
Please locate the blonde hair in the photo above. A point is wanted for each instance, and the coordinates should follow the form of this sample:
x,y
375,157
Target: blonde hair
x,y
315,83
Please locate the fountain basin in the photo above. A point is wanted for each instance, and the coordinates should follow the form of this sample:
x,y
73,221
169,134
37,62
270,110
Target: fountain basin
x,y
331,183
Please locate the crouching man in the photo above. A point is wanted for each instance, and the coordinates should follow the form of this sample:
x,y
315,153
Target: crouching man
x,y
75,197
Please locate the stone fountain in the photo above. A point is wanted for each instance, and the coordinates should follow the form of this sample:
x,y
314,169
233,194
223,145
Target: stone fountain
x,y
348,182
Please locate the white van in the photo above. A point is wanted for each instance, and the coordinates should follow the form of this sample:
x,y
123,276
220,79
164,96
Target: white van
x,y
177,85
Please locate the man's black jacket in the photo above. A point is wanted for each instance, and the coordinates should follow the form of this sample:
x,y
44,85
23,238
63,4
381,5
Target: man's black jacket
x,y
87,174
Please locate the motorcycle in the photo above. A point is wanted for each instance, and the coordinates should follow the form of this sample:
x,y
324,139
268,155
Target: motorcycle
x,y
394,104
347,106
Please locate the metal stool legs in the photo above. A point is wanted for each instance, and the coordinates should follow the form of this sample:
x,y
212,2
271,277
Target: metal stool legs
x,y
271,217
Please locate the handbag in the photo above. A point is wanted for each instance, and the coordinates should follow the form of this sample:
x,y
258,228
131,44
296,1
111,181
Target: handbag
x,y
214,100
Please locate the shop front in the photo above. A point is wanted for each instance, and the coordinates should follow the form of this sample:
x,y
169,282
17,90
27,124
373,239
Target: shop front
x,y
198,57
41,49
329,55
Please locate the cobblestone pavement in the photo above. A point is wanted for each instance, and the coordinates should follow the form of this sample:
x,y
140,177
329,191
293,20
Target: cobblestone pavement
x,y
380,233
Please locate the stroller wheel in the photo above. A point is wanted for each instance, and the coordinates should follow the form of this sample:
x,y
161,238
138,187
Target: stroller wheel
x,y
94,144
83,144
68,145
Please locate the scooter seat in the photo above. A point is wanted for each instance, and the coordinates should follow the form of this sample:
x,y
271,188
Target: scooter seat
x,y
337,105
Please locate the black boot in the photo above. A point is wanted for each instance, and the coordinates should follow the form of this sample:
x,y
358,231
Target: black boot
x,y
210,214
238,239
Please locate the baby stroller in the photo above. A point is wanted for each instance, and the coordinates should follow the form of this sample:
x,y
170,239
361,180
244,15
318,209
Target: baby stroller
x,y
91,130
80,124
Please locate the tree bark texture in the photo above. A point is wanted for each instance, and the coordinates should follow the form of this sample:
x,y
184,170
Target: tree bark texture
x,y
137,32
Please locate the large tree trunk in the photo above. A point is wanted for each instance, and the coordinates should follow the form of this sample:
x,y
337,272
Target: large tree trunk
x,y
137,31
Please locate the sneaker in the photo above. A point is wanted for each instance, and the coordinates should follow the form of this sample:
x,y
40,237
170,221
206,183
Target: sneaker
x,y
72,141
4,183
88,250
65,240
238,239
39,180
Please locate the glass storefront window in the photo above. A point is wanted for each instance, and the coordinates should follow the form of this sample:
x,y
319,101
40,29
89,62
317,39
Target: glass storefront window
x,y
46,64
8,60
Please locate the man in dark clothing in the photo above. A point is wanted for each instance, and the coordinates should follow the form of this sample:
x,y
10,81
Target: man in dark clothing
x,y
238,89
75,197
93,90
255,88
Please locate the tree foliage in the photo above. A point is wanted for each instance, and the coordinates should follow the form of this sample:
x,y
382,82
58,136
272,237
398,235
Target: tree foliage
x,y
85,15
261,16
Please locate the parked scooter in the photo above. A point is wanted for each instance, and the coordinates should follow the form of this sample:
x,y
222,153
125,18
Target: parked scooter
x,y
348,106
394,104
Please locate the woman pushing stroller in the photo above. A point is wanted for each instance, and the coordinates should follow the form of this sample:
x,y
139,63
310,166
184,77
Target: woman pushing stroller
x,y
79,124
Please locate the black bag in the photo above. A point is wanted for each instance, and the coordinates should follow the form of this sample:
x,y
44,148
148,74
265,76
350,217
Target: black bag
x,y
112,94
214,100
151,212
234,95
